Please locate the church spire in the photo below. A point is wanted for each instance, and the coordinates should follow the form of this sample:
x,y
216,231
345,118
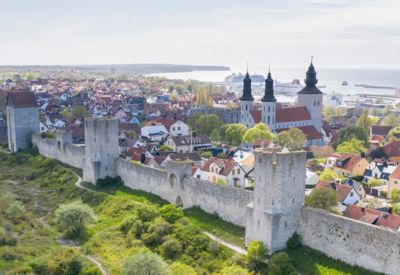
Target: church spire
x,y
311,81
269,89
247,96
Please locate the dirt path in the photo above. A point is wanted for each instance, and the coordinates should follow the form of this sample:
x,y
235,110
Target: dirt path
x,y
235,248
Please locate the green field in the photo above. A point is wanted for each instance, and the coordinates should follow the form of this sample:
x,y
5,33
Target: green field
x,y
42,184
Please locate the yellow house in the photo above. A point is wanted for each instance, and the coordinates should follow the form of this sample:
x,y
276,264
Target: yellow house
x,y
350,165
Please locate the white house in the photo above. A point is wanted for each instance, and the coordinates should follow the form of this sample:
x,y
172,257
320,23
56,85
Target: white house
x,y
154,132
224,172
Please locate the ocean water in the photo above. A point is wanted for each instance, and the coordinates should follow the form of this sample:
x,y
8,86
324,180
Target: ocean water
x,y
331,78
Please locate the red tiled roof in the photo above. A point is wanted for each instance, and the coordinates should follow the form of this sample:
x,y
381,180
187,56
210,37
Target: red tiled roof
x,y
292,114
373,216
392,148
396,173
380,130
226,165
310,132
349,161
21,100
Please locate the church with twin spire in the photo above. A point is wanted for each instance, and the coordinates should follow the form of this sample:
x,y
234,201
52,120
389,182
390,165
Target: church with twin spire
x,y
306,115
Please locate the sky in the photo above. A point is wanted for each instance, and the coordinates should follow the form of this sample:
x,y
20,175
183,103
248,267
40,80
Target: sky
x,y
283,33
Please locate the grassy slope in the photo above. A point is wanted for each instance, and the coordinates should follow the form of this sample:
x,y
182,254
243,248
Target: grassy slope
x,y
112,205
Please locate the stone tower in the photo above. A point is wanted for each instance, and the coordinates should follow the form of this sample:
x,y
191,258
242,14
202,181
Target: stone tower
x,y
22,119
269,104
101,148
246,103
279,191
311,97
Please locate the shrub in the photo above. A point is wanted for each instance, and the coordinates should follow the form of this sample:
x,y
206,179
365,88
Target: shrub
x,y
171,213
324,198
234,270
145,263
66,261
145,213
72,217
395,195
206,154
256,253
178,268
109,181
15,210
280,264
294,241
171,248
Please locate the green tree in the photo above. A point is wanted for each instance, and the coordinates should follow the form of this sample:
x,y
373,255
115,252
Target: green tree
x,y
391,120
327,175
205,124
72,217
375,182
353,145
280,263
178,268
234,133
145,263
170,248
350,132
293,139
164,148
204,95
364,121
324,198
395,195
234,270
206,154
394,134
171,213
259,132
256,253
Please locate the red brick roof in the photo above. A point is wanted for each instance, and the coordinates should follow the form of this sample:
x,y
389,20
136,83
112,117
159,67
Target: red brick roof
x,y
392,148
310,132
396,173
373,216
349,161
226,165
292,114
21,100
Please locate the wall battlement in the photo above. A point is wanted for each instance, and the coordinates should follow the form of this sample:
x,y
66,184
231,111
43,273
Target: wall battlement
x,y
272,213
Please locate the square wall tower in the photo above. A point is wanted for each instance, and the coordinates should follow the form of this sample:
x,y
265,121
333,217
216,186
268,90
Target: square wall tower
x,y
279,192
101,148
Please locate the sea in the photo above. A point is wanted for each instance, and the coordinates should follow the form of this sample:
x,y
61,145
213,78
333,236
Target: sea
x,y
329,80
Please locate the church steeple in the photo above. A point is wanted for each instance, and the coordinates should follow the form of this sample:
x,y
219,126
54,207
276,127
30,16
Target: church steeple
x,y
247,96
269,89
311,81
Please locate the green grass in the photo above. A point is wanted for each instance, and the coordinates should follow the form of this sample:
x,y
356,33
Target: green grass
x,y
214,224
308,261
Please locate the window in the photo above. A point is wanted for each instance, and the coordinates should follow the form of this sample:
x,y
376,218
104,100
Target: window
x,y
173,128
233,172
238,171
179,128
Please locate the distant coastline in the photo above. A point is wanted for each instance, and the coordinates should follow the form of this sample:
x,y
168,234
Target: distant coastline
x,y
118,68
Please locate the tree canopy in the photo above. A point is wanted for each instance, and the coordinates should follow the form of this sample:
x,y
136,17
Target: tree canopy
x,y
364,121
234,133
353,145
394,134
205,124
323,197
391,120
259,132
327,175
350,132
145,263
280,263
293,139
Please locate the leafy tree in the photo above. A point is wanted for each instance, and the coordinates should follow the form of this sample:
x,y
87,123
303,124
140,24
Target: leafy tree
x,y
391,120
394,134
353,145
330,112
395,195
259,132
364,121
294,241
215,135
178,268
171,213
164,148
375,182
280,264
350,132
222,156
145,263
170,248
234,270
324,198
293,139
72,217
205,124
204,96
15,210
396,209
256,253
206,154
327,175
234,133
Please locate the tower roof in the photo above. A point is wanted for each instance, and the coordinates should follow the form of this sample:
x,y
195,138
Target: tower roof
x,y
247,96
311,82
22,99
269,90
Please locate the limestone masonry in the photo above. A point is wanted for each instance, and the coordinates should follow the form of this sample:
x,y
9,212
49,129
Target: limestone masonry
x,y
271,213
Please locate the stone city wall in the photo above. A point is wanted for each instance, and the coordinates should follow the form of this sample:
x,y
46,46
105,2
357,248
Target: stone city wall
x,y
66,153
356,243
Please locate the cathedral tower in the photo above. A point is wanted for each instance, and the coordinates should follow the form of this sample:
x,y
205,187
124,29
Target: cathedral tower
x,y
246,103
311,97
269,104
